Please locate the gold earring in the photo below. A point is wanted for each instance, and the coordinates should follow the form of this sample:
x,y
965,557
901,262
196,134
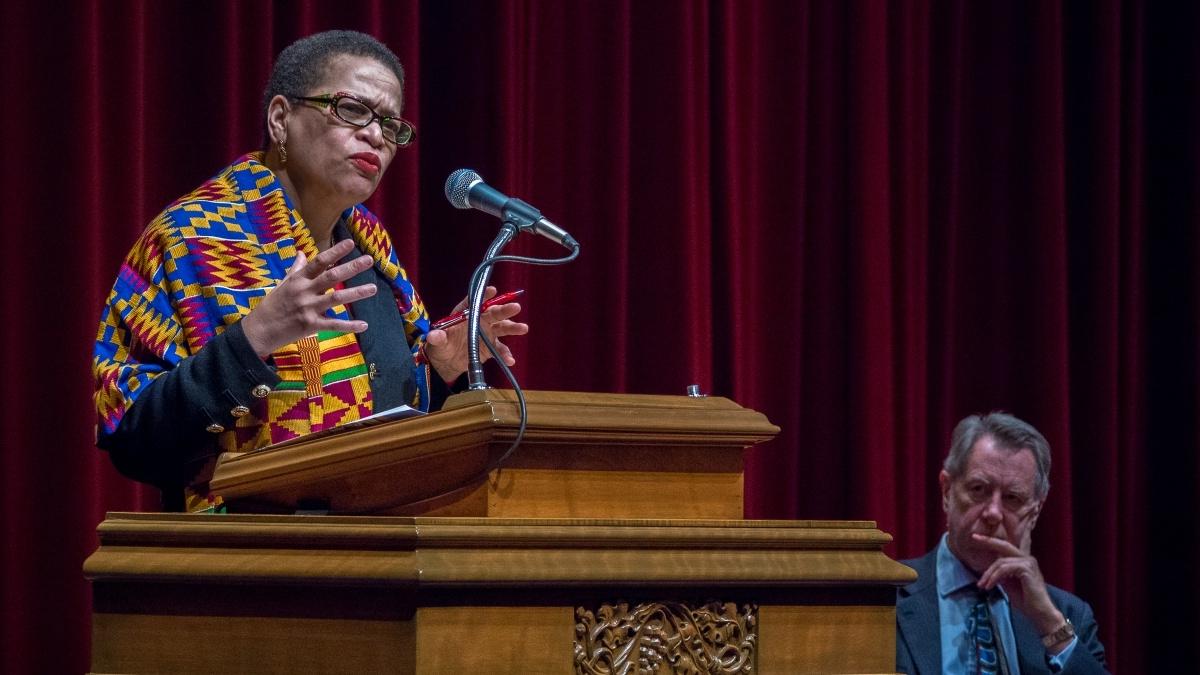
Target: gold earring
x,y
282,152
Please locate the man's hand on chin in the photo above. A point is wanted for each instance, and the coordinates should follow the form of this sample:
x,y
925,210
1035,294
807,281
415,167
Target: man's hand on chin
x,y
1018,573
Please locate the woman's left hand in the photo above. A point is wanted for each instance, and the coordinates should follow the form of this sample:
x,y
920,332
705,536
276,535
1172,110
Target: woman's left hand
x,y
446,349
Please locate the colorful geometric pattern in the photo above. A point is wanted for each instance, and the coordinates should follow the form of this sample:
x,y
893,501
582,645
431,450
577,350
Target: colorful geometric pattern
x,y
203,264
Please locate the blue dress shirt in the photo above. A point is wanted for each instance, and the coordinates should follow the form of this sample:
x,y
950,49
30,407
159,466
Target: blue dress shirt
x,y
957,594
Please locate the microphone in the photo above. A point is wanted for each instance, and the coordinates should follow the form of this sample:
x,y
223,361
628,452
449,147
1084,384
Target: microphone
x,y
465,189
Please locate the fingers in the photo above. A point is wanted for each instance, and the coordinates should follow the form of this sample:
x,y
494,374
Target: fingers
x,y
298,264
1027,541
327,258
346,296
1003,569
501,312
341,325
999,546
1024,568
447,349
312,289
1022,581
311,316
504,353
489,292
499,325
993,574
1010,561
497,321
324,270
339,273
505,328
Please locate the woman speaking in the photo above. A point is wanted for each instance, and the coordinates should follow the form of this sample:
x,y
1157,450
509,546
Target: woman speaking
x,y
269,303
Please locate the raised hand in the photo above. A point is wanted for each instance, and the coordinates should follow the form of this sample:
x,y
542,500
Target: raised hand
x,y
447,349
1018,572
296,307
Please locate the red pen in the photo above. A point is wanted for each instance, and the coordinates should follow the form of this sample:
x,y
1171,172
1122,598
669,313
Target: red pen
x,y
461,315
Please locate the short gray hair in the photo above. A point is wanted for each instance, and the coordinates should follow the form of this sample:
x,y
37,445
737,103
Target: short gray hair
x,y
1009,433
301,65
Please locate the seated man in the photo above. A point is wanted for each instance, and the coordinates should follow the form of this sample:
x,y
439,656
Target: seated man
x,y
980,604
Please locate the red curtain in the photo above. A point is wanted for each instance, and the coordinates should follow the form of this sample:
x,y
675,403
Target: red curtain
x,y
863,219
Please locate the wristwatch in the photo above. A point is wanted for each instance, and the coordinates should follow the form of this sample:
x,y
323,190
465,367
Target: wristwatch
x,y
1065,632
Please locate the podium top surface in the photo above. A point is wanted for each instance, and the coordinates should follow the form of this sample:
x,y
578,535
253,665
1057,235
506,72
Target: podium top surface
x,y
395,465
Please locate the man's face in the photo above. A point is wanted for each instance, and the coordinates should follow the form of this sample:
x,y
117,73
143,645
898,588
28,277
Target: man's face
x,y
994,497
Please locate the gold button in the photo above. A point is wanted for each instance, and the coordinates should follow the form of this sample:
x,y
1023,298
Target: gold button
x,y
214,428
240,411
261,391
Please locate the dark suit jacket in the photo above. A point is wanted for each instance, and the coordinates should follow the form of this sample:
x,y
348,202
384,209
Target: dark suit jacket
x,y
919,636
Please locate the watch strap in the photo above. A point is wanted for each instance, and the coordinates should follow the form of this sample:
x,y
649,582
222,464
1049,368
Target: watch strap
x,y
1062,634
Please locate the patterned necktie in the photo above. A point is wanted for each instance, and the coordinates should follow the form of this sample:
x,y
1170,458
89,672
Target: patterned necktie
x,y
983,638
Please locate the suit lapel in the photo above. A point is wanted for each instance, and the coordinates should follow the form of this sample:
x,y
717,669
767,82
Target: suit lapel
x,y
1030,653
918,617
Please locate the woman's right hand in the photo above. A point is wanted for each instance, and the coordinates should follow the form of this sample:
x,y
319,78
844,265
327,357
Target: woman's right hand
x,y
296,307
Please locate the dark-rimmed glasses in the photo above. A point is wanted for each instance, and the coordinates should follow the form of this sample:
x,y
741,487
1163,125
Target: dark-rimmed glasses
x,y
352,110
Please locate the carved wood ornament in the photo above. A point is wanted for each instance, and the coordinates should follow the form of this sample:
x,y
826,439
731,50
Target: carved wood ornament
x,y
666,637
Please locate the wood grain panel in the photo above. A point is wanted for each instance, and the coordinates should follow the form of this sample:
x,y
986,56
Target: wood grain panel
x,y
497,640
827,639
242,644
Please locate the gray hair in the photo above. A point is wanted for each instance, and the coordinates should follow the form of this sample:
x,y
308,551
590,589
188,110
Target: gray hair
x,y
301,65
1010,433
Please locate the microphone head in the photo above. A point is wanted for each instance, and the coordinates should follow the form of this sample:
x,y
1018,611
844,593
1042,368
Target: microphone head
x,y
458,185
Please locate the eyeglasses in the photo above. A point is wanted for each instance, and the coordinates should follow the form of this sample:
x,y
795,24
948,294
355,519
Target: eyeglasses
x,y
352,110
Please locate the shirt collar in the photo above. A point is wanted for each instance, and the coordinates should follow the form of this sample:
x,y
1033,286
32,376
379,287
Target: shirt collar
x,y
952,575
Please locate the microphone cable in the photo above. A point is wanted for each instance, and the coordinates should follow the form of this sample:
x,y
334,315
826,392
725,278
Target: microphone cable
x,y
522,408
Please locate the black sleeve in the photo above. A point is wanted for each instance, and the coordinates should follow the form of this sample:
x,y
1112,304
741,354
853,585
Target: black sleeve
x,y
170,430
440,390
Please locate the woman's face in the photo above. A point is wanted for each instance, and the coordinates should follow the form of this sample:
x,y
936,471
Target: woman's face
x,y
330,161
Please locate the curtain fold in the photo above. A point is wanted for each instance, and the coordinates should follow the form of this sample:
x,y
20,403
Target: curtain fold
x,y
864,219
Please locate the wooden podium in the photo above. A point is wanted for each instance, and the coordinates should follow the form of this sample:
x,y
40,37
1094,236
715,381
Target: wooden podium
x,y
611,541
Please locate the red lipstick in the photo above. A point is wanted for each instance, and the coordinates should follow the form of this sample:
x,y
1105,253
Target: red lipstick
x,y
367,162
